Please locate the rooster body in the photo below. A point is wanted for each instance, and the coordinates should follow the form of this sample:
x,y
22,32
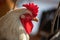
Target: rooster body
x,y
11,27
16,24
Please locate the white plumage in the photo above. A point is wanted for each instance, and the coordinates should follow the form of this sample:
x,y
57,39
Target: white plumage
x,y
11,27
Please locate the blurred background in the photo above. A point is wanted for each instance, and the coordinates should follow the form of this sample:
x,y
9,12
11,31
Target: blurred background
x,y
45,28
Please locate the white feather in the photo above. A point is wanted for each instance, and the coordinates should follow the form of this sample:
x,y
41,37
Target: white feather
x,y
11,27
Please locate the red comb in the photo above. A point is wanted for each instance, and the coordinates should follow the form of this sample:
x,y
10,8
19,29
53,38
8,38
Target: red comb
x,y
32,7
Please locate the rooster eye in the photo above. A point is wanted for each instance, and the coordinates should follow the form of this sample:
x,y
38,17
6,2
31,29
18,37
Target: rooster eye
x,y
22,16
29,12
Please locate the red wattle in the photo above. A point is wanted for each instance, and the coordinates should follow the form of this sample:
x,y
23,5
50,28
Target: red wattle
x,y
28,27
27,23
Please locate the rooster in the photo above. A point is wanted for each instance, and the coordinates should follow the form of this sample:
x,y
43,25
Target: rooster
x,y
17,24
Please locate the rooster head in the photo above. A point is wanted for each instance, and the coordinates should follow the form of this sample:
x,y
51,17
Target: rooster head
x,y
27,17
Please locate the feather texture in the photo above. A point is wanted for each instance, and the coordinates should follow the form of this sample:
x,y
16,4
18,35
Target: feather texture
x,y
11,27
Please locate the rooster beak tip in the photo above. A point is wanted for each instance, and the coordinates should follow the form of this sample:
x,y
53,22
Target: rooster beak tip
x,y
35,19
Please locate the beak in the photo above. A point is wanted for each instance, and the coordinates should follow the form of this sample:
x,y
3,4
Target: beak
x,y
35,19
